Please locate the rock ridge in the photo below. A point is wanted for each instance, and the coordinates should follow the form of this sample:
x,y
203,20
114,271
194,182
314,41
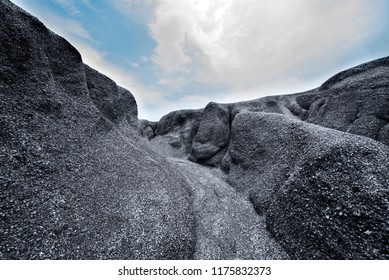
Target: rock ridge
x,y
355,101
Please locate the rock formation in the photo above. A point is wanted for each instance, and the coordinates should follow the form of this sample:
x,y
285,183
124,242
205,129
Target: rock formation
x,y
76,182
301,176
315,163
324,192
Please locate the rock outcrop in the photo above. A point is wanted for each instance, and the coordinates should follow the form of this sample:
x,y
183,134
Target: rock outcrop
x,y
75,181
310,162
227,226
324,193
213,136
301,176
174,133
354,101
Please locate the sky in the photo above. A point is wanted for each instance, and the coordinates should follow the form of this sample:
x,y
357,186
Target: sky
x,y
184,54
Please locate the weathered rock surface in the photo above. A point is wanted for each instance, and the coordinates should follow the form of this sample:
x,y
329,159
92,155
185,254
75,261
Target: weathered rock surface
x,y
227,226
324,193
213,136
75,181
174,133
306,176
113,101
354,101
147,129
324,211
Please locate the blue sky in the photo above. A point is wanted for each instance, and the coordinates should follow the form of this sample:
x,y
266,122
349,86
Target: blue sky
x,y
183,54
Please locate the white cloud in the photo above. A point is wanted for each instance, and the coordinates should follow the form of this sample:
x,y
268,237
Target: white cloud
x,y
151,103
244,43
70,29
69,6
176,84
144,58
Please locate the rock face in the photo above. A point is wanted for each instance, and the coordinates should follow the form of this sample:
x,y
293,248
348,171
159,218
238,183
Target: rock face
x,y
354,101
146,129
323,187
75,181
114,102
213,136
324,193
174,133
227,226
306,175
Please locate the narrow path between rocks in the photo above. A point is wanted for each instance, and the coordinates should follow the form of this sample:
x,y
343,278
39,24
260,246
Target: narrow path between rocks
x,y
227,225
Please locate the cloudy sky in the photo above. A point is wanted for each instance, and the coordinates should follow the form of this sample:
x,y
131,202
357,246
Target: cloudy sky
x,y
183,54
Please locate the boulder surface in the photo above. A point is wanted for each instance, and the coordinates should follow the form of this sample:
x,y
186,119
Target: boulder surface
x,y
324,193
76,182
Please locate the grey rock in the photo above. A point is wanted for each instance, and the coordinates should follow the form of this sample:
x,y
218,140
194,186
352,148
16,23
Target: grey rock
x,y
354,101
324,193
75,181
82,178
114,102
175,132
147,129
227,226
176,119
213,136
255,162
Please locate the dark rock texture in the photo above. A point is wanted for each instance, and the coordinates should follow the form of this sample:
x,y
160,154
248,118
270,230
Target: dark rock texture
x,y
354,101
227,226
264,155
213,136
306,175
324,193
75,181
147,129
113,101
174,133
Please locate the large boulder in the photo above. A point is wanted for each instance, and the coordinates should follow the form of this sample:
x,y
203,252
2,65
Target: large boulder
x,y
324,193
75,181
255,163
113,101
147,129
355,101
175,131
213,136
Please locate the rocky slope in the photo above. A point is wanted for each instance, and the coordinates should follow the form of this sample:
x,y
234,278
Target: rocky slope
x,y
324,193
302,176
314,164
75,180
